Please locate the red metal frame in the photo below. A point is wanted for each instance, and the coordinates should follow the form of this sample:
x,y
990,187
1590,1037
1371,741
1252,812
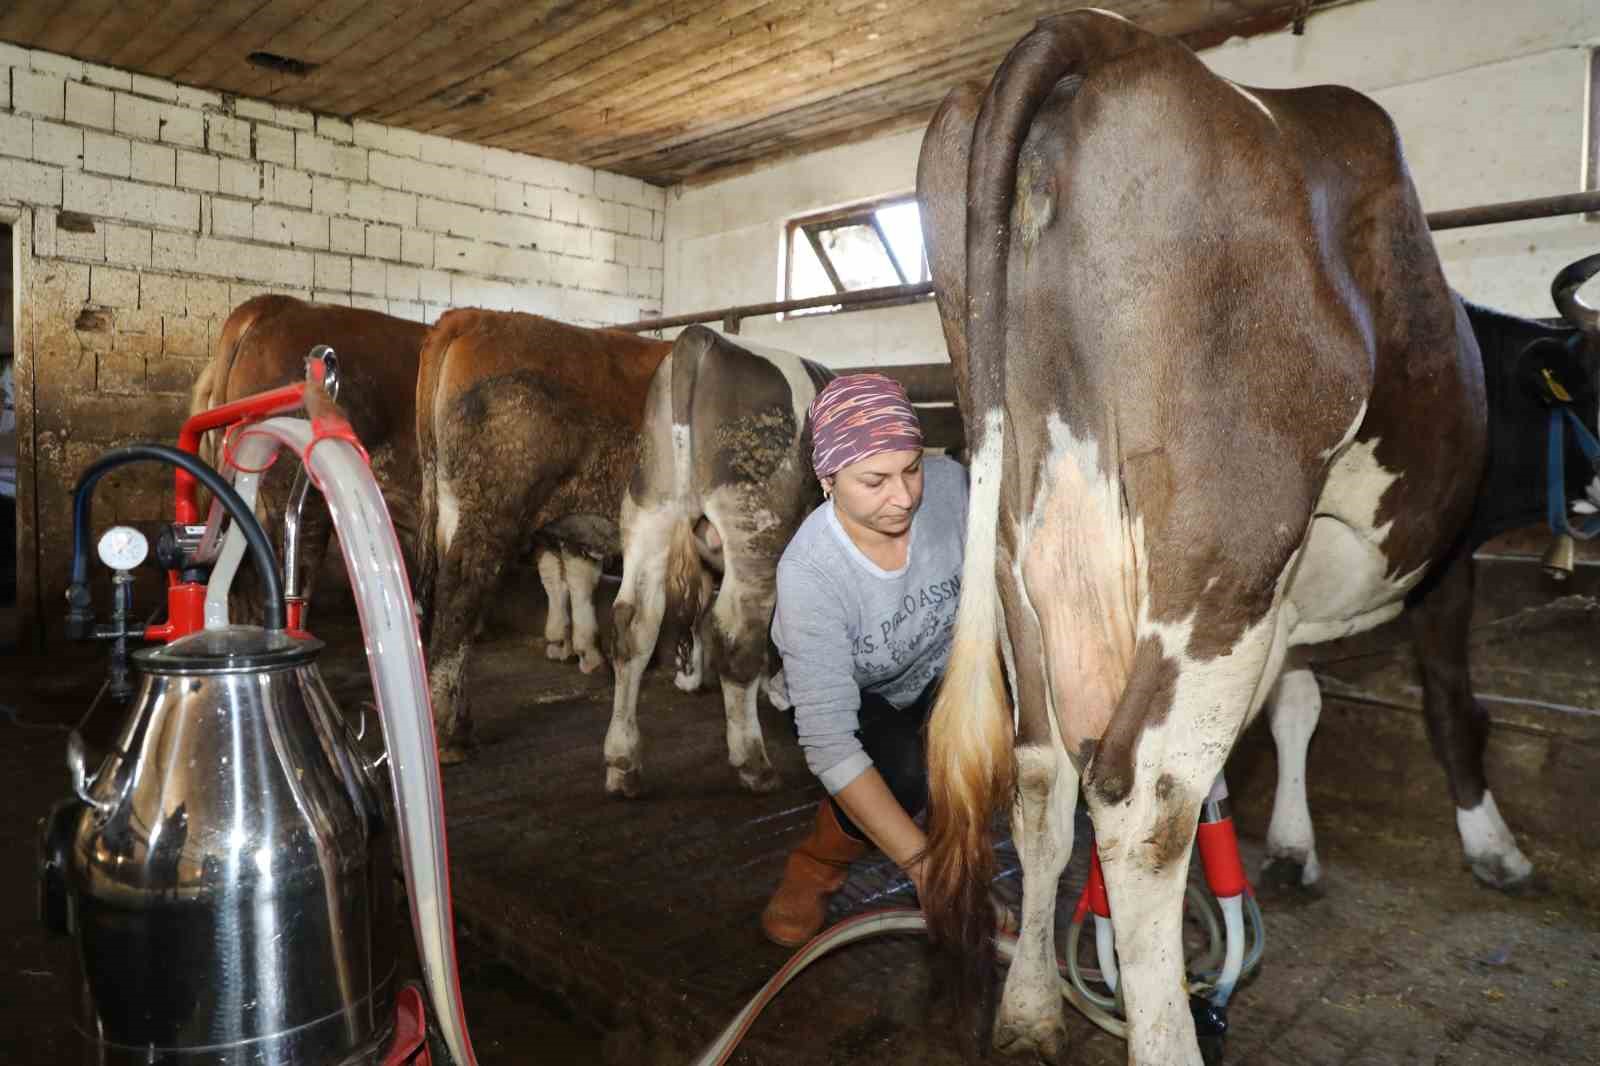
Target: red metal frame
x,y
186,599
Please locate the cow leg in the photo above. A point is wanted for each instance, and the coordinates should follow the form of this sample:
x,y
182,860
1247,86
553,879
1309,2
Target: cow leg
x,y
736,633
1029,1019
1459,728
636,616
583,577
557,644
469,572
474,546
1293,710
1175,724
1047,797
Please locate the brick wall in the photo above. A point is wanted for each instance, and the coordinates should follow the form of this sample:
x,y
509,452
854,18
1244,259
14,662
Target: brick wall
x,y
156,208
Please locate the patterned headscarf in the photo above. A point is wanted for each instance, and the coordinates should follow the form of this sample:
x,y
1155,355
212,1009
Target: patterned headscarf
x,y
858,416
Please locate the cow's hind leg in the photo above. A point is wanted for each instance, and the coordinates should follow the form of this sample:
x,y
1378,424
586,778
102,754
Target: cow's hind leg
x,y
583,577
557,643
1293,711
735,632
1459,728
1172,731
1029,1018
470,568
636,617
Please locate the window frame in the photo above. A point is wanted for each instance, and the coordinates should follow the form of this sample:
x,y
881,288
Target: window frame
x,y
860,213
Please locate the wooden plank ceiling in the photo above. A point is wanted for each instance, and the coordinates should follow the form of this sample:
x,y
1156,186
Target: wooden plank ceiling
x,y
665,90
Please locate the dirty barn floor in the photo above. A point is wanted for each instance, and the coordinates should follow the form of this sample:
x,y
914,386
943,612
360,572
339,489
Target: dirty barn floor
x,y
642,914
637,920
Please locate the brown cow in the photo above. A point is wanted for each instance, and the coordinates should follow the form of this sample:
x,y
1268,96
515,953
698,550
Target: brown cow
x,y
1220,403
263,345
528,431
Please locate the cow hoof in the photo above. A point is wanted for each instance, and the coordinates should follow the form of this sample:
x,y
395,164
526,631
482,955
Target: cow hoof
x,y
626,784
1514,879
1285,877
1042,1042
764,779
687,682
558,650
590,660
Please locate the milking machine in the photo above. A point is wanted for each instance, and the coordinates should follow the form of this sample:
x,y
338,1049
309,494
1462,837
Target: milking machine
x,y
226,872
1229,916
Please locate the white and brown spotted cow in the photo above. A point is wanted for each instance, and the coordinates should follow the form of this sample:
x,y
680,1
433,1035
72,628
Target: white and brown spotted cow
x,y
1512,495
724,479
1220,403
527,432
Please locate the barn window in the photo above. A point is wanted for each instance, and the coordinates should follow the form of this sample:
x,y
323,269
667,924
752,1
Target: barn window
x,y
864,246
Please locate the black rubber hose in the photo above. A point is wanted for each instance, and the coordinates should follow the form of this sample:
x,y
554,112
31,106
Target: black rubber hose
x,y
255,537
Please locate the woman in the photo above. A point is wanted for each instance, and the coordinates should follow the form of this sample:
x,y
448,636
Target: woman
x,y
867,593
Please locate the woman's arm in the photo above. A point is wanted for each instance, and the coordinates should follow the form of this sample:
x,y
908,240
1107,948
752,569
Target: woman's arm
x,y
870,804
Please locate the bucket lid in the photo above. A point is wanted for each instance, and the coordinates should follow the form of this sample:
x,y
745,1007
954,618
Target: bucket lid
x,y
230,650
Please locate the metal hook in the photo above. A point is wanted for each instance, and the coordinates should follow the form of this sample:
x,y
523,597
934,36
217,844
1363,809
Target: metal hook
x,y
329,359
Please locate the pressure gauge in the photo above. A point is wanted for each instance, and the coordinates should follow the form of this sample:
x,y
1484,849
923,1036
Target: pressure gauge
x,y
123,548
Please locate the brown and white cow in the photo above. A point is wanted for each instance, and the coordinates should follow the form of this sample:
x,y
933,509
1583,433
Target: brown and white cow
x,y
724,479
1511,495
527,433
1220,403
264,344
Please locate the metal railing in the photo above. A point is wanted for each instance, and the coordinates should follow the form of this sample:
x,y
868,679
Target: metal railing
x,y
896,295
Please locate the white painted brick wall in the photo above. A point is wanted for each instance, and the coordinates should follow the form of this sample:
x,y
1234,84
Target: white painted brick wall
x,y
184,203
16,136
89,106
106,154
58,144
36,93
154,163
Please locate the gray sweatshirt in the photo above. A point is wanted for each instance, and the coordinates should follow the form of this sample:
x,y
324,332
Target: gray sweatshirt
x,y
844,624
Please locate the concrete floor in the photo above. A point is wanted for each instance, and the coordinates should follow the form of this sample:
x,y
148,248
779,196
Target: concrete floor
x,y
626,932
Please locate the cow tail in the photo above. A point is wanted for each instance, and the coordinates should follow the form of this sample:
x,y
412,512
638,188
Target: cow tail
x,y
210,389
687,580
435,348
971,769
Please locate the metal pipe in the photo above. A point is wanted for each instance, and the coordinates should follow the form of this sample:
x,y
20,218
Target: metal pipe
x,y
1516,210
850,301
292,578
1457,218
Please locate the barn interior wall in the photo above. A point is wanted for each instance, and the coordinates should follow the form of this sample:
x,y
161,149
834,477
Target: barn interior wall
x,y
1491,114
156,208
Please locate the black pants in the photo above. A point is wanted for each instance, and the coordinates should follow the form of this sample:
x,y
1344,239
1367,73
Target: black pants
x,y
893,739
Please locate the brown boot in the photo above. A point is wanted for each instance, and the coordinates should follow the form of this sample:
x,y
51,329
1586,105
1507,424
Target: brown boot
x,y
814,872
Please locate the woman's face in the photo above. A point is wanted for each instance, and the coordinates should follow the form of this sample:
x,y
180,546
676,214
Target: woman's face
x,y
880,492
